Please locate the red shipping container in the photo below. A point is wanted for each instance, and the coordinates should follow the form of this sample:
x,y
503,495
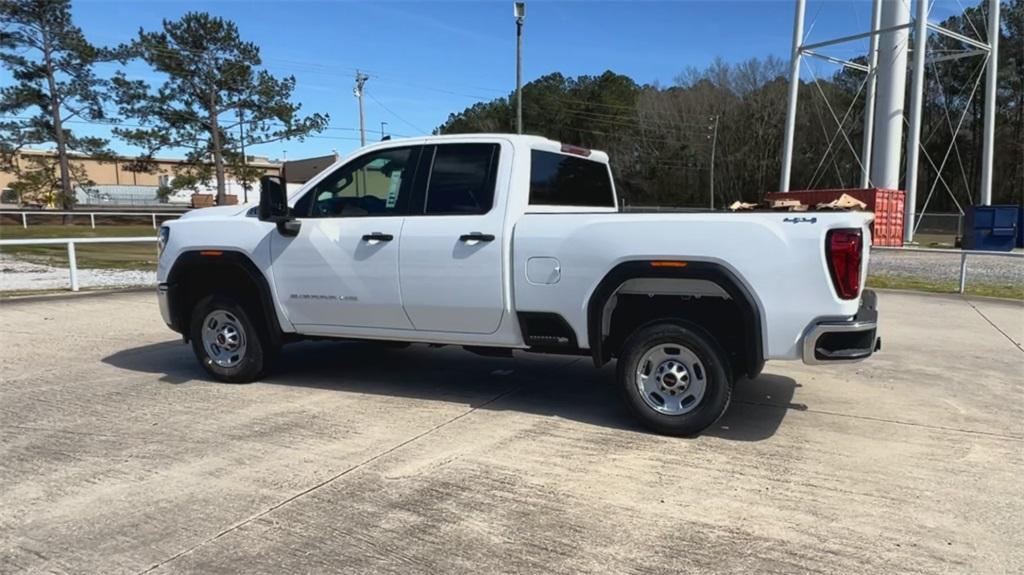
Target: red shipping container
x,y
887,205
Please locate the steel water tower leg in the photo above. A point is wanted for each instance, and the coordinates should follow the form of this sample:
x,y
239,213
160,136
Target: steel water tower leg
x,y
888,144
991,83
914,131
891,92
869,97
794,88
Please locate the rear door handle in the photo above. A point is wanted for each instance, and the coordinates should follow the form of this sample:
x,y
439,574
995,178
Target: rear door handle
x,y
476,237
377,236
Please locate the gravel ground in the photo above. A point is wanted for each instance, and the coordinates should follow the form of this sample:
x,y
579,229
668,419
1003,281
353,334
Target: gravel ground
x,y
946,267
16,275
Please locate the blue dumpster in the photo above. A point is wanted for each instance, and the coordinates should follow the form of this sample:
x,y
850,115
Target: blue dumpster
x,y
991,228
1020,227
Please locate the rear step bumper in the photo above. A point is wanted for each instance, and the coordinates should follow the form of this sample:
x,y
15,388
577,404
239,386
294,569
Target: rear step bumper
x,y
845,341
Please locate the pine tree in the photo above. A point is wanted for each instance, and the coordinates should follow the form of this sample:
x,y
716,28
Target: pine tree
x,y
54,83
213,85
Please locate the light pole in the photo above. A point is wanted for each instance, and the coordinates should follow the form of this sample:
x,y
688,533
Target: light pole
x,y
520,13
714,143
241,140
382,124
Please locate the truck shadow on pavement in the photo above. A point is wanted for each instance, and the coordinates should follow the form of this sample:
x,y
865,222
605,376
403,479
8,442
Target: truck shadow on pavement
x,y
560,386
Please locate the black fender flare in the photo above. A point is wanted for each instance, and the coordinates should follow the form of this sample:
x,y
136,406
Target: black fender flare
x,y
195,261
710,271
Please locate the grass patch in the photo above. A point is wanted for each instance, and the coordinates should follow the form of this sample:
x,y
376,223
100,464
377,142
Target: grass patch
x,y
15,294
134,256
1007,291
12,232
925,240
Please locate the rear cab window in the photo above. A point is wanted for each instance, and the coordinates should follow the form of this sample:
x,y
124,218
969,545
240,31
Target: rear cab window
x,y
462,179
569,181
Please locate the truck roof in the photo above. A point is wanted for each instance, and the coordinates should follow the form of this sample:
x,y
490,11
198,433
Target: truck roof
x,y
524,140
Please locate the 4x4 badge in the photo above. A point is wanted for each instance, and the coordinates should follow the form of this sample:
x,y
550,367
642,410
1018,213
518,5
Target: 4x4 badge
x,y
801,220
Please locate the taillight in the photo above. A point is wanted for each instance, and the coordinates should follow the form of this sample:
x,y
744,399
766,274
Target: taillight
x,y
843,250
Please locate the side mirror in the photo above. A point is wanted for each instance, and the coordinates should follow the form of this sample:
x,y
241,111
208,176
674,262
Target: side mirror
x,y
274,206
273,200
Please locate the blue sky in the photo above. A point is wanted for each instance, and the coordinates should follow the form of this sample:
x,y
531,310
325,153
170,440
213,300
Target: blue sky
x,y
428,59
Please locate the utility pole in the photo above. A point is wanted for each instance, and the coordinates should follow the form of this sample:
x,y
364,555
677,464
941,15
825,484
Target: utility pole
x,y
382,124
358,93
714,142
520,13
241,139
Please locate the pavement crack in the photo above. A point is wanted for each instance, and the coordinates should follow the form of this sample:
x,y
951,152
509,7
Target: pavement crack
x,y
801,407
329,480
991,323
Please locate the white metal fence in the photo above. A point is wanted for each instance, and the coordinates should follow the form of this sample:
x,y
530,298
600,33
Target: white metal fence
x,y
73,265
70,243
941,224
92,215
963,257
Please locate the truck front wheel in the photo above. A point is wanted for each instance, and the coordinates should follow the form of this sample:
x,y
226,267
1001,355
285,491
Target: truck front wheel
x,y
226,341
674,378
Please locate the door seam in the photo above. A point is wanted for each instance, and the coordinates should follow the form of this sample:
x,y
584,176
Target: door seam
x,y
401,285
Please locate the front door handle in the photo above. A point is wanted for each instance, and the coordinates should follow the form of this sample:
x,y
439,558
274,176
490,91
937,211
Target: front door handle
x,y
377,236
476,237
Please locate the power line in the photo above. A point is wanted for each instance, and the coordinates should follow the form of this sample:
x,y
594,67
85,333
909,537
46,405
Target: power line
x,y
439,90
708,117
135,125
393,113
643,138
131,125
681,127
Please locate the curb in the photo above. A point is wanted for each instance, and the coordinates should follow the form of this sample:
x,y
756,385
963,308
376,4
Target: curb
x,y
948,295
58,296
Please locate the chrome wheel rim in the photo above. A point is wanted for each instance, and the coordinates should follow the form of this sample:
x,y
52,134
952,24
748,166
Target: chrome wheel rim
x,y
224,338
671,379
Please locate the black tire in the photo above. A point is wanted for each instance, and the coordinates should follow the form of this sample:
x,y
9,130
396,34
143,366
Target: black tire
x,y
254,359
710,369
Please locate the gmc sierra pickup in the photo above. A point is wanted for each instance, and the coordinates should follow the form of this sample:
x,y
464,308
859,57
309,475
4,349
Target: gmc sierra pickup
x,y
501,243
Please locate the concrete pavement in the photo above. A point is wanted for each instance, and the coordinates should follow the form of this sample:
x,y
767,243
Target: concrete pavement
x,y
116,456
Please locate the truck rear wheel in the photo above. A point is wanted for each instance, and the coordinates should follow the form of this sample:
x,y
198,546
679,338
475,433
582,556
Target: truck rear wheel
x,y
226,342
674,378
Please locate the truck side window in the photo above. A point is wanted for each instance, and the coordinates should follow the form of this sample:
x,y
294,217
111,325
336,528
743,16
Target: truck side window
x,y
377,184
462,179
563,180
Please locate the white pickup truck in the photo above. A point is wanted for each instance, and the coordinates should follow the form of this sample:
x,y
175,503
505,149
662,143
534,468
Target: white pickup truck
x,y
501,243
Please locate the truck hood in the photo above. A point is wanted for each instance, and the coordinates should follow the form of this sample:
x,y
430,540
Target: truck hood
x,y
215,212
